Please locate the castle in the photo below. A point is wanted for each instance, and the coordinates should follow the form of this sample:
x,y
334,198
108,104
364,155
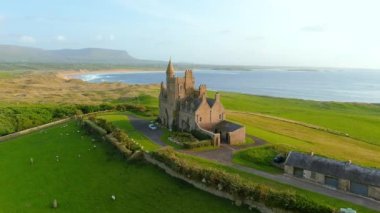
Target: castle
x,y
184,108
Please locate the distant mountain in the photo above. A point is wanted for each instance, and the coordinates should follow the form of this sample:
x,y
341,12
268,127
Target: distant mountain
x,y
14,54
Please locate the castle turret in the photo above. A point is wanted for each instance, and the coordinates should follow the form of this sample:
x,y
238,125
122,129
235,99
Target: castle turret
x,y
170,70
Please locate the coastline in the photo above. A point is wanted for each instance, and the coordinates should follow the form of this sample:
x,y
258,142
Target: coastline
x,y
69,74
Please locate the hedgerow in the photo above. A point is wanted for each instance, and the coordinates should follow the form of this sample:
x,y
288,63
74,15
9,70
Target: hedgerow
x,y
238,187
114,135
14,118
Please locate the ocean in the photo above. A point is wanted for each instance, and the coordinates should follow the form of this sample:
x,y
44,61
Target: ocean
x,y
339,85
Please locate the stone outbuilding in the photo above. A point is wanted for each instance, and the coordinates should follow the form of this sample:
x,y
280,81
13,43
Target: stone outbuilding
x,y
334,174
185,108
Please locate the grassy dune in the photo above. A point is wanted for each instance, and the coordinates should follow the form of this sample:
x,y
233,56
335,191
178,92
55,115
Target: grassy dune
x,y
48,88
86,183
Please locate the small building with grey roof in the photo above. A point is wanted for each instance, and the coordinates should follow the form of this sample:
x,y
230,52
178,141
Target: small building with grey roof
x,y
334,174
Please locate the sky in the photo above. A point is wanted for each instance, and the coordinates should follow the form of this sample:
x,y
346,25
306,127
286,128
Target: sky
x,y
321,33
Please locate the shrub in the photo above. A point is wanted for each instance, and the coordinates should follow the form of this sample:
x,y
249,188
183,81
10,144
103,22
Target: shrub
x,y
183,137
192,145
200,135
237,186
118,138
108,126
93,128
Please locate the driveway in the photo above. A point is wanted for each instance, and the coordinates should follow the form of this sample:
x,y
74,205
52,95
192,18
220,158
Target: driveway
x,y
225,152
142,125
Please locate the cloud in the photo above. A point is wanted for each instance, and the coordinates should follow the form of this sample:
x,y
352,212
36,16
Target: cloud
x,y
313,28
27,39
163,10
60,38
254,38
101,37
2,19
225,31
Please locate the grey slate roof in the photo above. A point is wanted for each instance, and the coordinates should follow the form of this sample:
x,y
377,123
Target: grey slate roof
x,y
210,101
197,101
334,168
228,126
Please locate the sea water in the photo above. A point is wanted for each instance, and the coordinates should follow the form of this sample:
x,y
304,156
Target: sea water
x,y
340,85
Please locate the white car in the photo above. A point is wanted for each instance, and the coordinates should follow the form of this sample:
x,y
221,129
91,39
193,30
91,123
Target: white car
x,y
152,127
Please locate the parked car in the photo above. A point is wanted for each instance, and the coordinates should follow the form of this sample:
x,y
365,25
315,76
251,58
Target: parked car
x,y
279,158
152,127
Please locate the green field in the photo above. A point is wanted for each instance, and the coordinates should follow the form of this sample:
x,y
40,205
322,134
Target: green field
x,y
86,183
260,158
361,121
121,121
343,131
307,139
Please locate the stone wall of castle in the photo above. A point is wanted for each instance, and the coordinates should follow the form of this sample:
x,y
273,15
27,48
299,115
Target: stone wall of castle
x,y
187,109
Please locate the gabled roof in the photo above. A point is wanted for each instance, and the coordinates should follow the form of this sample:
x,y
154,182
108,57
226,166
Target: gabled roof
x,y
334,168
210,101
227,126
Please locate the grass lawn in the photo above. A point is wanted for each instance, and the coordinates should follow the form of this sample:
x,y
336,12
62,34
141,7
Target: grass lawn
x,y
120,120
86,183
307,139
275,185
361,121
260,158
165,138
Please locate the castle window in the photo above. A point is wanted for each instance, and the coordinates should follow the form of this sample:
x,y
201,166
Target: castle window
x,y
220,116
200,119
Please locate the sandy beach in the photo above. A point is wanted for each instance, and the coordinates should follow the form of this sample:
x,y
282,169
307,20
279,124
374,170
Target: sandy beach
x,y
69,74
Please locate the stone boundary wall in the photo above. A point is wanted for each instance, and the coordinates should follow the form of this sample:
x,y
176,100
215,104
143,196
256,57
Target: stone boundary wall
x,y
43,126
215,137
33,129
261,207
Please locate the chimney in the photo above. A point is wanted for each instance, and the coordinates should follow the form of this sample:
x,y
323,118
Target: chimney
x,y
217,97
202,90
188,73
204,98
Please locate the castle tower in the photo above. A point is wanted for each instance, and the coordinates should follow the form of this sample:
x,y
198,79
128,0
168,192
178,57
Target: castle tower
x,y
189,82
